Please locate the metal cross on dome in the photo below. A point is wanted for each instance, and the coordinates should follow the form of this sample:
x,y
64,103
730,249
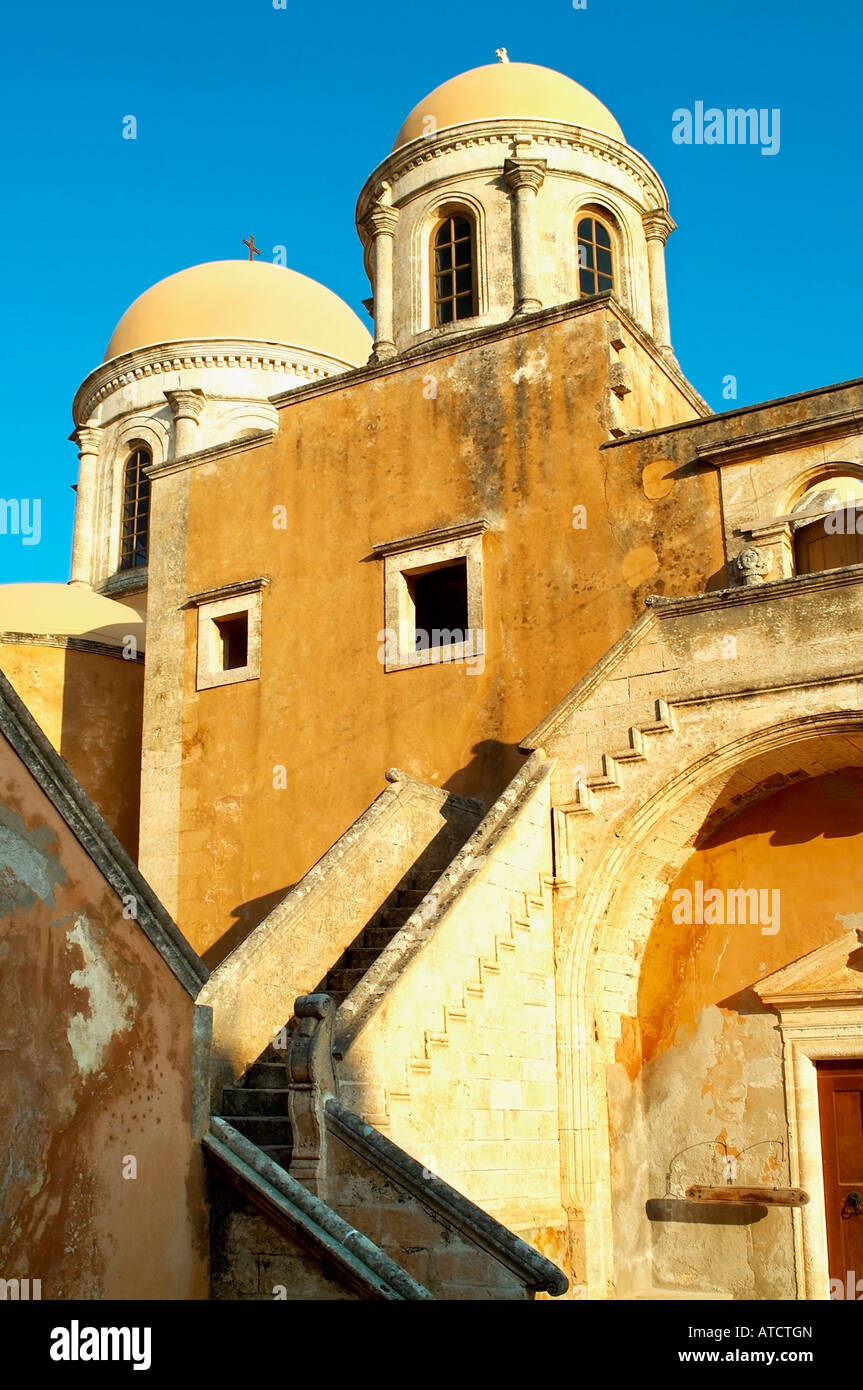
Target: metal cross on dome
x,y
250,242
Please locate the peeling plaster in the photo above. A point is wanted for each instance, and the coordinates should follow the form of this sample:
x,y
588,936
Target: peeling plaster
x,y
111,1005
30,866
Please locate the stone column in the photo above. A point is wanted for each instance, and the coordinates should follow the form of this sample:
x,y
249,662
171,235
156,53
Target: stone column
x,y
657,226
381,222
524,178
87,438
186,408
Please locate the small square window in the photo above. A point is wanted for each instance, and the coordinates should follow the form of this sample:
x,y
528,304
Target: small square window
x,y
433,602
232,642
439,598
229,640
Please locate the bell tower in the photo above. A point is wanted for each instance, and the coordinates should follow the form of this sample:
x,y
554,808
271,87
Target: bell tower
x,y
510,189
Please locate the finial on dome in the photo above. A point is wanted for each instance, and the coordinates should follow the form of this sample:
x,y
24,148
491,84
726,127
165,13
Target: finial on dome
x,y
501,55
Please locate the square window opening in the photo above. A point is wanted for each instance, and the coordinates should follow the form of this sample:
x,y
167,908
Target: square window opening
x,y
232,642
439,600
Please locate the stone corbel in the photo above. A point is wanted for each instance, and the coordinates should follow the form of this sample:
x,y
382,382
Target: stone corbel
x,y
311,1081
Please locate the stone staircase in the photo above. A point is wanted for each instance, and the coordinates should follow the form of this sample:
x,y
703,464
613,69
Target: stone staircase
x,y
610,779
456,1014
390,917
257,1104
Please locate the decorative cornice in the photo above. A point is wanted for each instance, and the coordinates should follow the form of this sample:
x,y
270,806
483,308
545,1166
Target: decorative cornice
x,y
213,452
199,354
131,581
241,586
508,133
798,432
428,538
71,644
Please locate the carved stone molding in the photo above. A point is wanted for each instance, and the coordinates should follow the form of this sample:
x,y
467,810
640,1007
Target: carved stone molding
x,y
87,438
551,134
311,1082
186,405
520,173
154,362
381,220
658,224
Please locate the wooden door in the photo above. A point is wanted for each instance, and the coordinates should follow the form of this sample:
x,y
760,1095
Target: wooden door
x,y
840,1102
817,549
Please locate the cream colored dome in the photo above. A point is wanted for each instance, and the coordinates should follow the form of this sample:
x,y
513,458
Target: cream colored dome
x,y
68,610
499,90
247,300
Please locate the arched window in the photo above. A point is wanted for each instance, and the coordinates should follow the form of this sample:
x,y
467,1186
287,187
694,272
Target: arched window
x,y
136,509
828,525
596,270
454,269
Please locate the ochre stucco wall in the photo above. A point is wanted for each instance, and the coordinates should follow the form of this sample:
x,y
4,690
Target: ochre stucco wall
x,y
95,1069
703,1063
90,706
513,436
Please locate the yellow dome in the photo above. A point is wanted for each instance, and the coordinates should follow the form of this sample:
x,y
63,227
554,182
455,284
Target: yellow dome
x,y
247,300
68,610
501,90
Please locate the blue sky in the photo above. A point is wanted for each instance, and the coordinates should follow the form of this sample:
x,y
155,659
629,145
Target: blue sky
x,y
253,119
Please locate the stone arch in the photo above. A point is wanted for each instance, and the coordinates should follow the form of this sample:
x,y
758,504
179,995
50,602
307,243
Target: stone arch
x,y
152,433
605,927
247,419
797,486
441,203
613,211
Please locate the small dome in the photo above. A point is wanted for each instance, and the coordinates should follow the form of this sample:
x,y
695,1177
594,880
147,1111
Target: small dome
x,y
500,90
68,610
247,300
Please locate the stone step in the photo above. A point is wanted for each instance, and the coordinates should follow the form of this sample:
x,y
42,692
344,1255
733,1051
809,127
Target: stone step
x,y
263,1129
424,879
360,957
410,897
240,1100
376,938
343,980
266,1076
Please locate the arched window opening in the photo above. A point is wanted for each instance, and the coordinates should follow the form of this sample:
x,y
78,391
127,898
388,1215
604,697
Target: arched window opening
x,y
136,509
454,269
596,272
828,525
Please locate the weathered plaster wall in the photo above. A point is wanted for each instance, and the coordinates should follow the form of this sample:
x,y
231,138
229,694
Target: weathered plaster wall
x,y
702,1065
90,706
511,433
95,1071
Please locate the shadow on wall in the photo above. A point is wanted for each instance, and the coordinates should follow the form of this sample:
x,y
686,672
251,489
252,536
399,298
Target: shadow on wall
x,y
490,770
698,1213
100,736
